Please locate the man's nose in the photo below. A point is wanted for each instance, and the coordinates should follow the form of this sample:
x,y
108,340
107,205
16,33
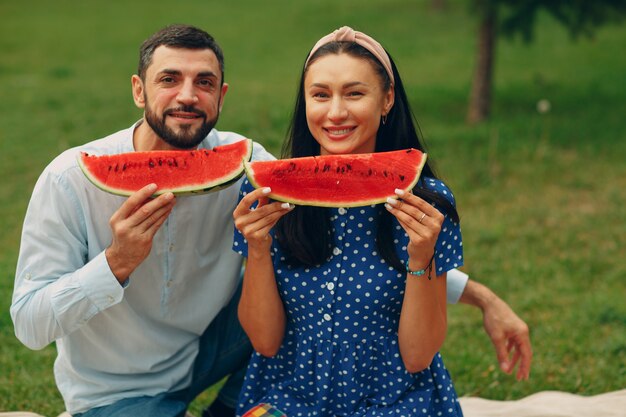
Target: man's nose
x,y
187,93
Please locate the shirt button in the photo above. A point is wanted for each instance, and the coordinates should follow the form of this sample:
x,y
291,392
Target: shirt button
x,y
110,298
336,251
342,210
330,286
27,276
327,317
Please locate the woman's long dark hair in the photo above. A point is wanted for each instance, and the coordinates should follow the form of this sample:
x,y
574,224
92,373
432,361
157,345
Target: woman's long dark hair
x,y
305,234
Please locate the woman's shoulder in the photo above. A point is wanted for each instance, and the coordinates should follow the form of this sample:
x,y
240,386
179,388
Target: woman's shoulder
x,y
246,186
438,186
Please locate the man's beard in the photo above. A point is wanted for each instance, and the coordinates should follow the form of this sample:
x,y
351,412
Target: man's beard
x,y
186,138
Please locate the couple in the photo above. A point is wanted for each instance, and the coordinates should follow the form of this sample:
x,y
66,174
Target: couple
x,y
142,295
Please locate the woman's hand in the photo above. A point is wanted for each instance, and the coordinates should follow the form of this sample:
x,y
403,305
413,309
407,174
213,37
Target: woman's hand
x,y
422,222
256,223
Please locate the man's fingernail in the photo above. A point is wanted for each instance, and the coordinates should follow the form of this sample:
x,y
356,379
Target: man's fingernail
x,y
287,206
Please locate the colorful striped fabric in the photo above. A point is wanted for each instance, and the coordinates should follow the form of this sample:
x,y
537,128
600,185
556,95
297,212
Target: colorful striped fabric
x,y
264,410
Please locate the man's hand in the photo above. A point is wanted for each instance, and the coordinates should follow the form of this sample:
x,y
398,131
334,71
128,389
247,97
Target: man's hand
x,y
134,225
509,334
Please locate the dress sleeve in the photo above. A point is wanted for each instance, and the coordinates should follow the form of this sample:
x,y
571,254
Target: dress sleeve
x,y
240,244
449,247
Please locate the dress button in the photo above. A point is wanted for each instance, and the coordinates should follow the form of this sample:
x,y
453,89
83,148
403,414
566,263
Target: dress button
x,y
327,317
330,286
342,210
336,251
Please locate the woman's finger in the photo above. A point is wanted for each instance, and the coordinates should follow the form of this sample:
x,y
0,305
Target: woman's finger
x,y
421,204
248,200
263,225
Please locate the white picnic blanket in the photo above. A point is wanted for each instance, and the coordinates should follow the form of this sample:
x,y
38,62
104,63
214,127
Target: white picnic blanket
x,y
549,404
541,404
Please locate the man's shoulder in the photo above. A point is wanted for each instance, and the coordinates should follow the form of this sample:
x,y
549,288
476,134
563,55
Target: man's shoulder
x,y
217,138
117,142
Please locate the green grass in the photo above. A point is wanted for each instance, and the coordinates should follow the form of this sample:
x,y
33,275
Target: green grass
x,y
541,196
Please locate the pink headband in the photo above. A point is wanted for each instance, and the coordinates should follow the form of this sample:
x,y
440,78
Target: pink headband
x,y
348,34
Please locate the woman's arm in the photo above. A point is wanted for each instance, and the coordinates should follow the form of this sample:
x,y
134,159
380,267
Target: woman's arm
x,y
260,310
423,321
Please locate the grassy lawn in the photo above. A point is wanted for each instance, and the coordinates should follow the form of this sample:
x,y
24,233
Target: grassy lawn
x,y
541,196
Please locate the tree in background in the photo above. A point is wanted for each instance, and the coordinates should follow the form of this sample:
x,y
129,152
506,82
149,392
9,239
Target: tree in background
x,y
518,17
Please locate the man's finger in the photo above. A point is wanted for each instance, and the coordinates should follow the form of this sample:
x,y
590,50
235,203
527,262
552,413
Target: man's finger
x,y
137,199
502,354
152,208
159,215
526,353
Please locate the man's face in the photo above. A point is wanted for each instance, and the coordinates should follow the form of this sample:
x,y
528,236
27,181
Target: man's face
x,y
182,95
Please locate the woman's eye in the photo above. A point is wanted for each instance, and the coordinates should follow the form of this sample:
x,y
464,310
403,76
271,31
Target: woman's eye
x,y
320,95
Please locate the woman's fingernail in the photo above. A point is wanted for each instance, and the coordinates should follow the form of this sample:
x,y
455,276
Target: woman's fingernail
x,y
388,206
392,201
267,190
399,191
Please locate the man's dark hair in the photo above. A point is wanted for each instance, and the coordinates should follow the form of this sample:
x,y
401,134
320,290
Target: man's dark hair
x,y
178,36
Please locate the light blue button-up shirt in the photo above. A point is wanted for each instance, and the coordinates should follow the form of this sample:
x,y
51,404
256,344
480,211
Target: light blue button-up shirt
x,y
117,341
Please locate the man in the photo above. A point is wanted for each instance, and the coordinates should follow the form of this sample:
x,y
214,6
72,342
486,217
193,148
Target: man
x,y
141,294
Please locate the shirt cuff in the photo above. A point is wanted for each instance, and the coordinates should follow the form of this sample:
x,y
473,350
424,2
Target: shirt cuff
x,y
456,281
99,284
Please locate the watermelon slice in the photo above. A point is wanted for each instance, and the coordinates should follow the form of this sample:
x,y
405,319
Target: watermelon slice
x,y
181,172
338,180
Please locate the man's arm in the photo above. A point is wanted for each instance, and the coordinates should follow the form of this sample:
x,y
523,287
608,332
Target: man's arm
x,y
57,289
509,334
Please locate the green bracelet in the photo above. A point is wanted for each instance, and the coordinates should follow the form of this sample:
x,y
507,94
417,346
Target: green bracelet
x,y
418,273
421,272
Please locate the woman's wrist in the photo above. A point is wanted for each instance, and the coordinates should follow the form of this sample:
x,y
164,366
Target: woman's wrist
x,y
419,267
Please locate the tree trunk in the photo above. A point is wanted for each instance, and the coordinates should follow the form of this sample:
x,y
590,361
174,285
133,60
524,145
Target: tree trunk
x,y
480,96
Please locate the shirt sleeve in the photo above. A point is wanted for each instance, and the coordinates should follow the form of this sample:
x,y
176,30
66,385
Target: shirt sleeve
x,y
240,244
456,281
57,289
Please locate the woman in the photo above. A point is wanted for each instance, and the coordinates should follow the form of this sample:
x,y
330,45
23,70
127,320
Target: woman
x,y
346,308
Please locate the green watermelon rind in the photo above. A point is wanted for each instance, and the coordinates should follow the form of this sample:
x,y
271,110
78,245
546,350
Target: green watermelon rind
x,y
249,169
215,185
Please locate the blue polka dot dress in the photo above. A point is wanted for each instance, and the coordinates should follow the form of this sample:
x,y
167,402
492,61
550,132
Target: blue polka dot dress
x,y
340,354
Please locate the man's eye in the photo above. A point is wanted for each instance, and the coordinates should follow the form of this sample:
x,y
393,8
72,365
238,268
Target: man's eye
x,y
167,80
205,83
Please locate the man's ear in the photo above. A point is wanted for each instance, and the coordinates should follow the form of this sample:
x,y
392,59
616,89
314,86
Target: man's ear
x,y
222,95
138,91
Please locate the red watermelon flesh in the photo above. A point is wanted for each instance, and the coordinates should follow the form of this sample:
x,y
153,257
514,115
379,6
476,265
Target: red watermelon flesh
x,y
180,171
338,180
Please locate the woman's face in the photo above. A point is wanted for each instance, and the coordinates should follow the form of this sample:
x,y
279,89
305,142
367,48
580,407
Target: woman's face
x,y
344,103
